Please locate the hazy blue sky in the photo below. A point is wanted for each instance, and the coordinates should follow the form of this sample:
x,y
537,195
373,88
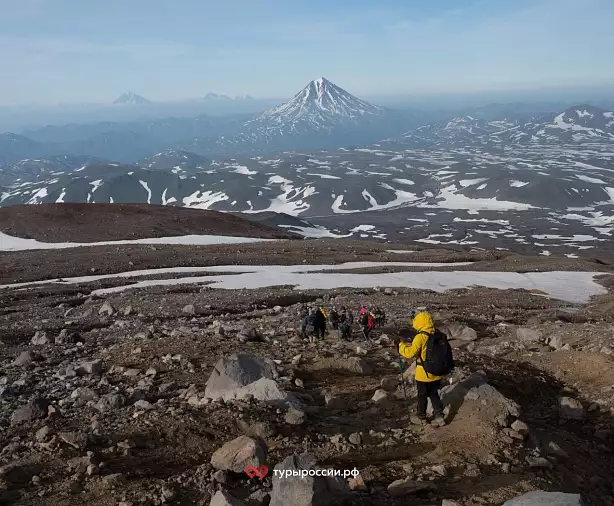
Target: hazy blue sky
x,y
92,50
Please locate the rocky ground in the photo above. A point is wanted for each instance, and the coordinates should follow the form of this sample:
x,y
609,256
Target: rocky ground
x,y
136,399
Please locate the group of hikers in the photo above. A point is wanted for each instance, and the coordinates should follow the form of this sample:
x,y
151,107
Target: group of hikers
x,y
315,321
426,344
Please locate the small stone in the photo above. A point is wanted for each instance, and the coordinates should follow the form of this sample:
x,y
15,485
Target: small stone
x,y
110,402
571,409
40,338
67,337
355,438
43,433
440,470
238,453
75,439
299,383
448,502
143,405
538,462
556,342
25,359
36,409
357,483
295,417
189,309
112,481
407,486
92,367
389,383
107,309
521,428
379,396
528,335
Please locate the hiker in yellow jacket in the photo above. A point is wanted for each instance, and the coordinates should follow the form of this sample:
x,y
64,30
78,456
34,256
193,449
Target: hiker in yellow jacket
x,y
428,384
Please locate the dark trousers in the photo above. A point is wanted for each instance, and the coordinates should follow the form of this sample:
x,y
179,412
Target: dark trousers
x,y
320,329
429,390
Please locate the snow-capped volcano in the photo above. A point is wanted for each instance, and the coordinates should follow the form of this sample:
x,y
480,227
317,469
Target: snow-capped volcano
x,y
131,98
321,104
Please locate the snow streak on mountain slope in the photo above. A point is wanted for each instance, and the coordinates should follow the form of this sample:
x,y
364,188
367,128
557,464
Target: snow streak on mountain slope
x,y
321,104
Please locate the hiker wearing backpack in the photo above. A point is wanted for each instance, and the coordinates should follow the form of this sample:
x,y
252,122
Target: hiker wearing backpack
x,y
434,360
319,324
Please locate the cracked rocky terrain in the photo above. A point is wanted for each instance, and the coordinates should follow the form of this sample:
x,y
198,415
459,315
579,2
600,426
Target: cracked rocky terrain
x,y
163,395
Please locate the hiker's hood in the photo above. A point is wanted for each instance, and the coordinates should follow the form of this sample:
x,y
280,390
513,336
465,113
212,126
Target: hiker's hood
x,y
423,322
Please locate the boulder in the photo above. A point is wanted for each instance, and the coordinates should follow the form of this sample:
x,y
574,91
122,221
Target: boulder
x,y
528,335
240,452
223,498
265,390
236,371
307,490
476,387
546,499
458,332
571,409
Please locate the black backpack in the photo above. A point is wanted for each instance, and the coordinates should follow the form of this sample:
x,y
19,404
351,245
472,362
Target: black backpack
x,y
439,360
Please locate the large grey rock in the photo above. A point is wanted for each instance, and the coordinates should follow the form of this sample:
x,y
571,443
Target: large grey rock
x,y
265,390
476,387
546,499
571,409
223,498
528,335
236,371
243,451
308,490
458,331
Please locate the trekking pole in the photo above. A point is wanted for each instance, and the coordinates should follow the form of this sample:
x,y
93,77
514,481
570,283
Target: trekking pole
x,y
403,382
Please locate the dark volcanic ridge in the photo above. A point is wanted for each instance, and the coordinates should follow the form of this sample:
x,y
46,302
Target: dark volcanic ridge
x,y
114,222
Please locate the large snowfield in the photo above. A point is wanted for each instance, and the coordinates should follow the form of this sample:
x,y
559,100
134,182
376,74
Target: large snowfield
x,y
569,286
10,243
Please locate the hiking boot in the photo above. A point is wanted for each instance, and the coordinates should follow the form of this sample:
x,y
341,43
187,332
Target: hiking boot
x,y
416,420
438,422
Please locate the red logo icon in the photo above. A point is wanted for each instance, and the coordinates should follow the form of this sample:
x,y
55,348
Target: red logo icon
x,y
260,471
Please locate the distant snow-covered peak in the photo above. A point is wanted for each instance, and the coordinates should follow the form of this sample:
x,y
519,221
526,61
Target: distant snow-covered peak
x,y
131,98
320,102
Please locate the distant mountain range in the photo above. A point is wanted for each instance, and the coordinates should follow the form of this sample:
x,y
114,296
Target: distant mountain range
x,y
578,124
322,115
